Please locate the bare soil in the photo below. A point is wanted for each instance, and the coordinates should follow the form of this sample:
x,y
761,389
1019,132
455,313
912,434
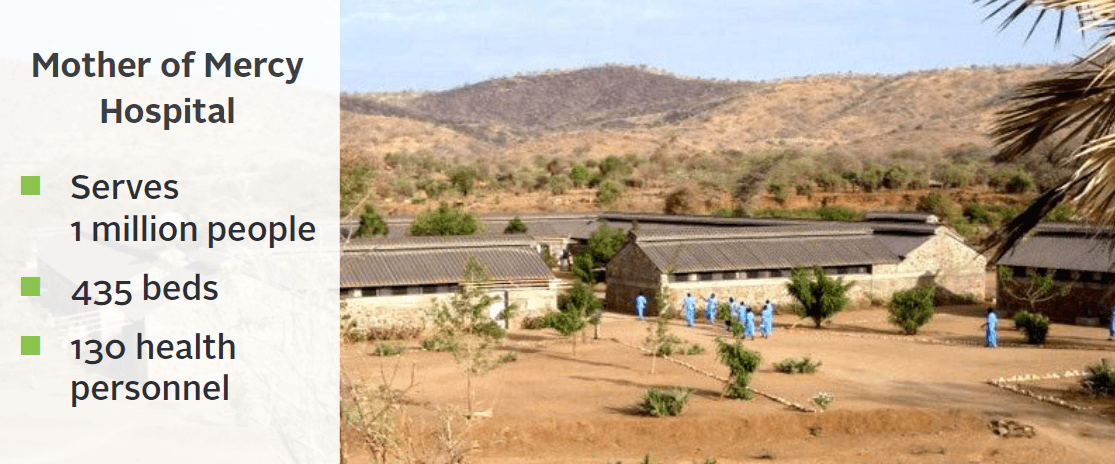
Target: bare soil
x,y
919,399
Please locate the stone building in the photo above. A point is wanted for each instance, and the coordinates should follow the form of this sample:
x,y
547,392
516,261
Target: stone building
x,y
1079,257
882,255
395,281
750,264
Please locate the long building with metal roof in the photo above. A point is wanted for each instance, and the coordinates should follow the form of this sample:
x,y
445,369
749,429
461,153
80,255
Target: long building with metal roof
x,y
396,281
1079,257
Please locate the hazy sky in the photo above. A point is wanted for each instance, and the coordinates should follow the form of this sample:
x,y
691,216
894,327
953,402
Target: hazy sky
x,y
436,45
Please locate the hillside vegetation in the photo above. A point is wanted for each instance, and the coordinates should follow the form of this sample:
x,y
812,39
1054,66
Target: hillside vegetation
x,y
550,141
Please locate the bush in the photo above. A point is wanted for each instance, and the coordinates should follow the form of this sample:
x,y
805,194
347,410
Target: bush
x,y
741,364
464,179
509,356
445,220
942,206
1062,213
804,189
680,201
823,400
608,194
438,344
1019,182
515,226
821,296
1100,379
662,402
1036,326
579,175
533,323
911,309
779,192
386,349
838,213
803,365
694,349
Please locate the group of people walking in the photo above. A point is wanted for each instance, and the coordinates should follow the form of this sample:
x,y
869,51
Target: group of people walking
x,y
740,312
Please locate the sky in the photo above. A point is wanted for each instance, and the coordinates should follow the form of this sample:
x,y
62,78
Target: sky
x,y
438,45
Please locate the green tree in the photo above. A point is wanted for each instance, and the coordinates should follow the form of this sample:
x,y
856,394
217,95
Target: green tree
x,y
911,309
602,246
515,226
608,194
580,175
371,223
659,333
464,179
741,363
445,220
464,325
821,296
1036,289
577,307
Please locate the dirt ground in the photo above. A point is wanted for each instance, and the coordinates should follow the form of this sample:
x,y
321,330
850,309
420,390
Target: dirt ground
x,y
903,399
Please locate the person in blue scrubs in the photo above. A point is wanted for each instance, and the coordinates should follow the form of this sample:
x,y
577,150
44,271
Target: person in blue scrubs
x,y
992,325
640,305
732,307
768,319
689,305
710,308
1113,323
748,323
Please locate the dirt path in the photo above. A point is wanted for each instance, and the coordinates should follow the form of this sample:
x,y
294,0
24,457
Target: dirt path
x,y
898,399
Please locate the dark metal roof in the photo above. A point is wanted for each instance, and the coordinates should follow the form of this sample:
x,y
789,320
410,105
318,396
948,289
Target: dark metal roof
x,y
923,218
1063,246
768,248
438,260
902,245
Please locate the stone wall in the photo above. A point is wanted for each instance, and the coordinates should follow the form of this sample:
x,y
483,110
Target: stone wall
x,y
959,269
629,272
414,310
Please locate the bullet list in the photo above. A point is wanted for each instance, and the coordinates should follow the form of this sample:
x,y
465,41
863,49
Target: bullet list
x,y
28,286
29,185
29,345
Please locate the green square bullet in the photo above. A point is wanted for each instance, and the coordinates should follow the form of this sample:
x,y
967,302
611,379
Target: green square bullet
x,y
28,286
29,185
29,345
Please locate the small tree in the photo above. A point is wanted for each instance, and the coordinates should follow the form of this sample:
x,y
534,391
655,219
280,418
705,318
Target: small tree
x,y
515,226
911,309
464,179
580,175
445,220
608,194
821,297
1035,290
660,332
602,246
464,324
576,308
371,223
741,364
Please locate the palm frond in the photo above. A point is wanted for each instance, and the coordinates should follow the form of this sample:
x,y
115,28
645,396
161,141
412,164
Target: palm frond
x,y
1013,231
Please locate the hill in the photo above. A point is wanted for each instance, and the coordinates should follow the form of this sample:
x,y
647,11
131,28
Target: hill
x,y
523,136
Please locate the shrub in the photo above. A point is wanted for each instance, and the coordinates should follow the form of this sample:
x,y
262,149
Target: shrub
x,y
803,365
577,307
942,206
515,226
823,400
665,349
662,402
1036,326
911,309
804,189
821,296
608,194
779,192
533,323
897,177
550,260
438,344
579,175
1100,379
386,349
1062,213
509,356
680,201
464,179
558,185
741,364
445,220
694,349
723,312
1019,182
838,213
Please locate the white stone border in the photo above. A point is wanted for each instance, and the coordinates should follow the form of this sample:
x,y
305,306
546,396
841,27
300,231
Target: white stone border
x,y
1009,384
698,370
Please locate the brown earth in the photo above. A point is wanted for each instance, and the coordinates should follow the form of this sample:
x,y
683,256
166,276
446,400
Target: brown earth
x,y
920,399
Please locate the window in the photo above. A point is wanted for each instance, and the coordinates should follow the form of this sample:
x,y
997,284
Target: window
x,y
779,273
1063,275
395,291
705,276
755,274
728,275
1019,271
